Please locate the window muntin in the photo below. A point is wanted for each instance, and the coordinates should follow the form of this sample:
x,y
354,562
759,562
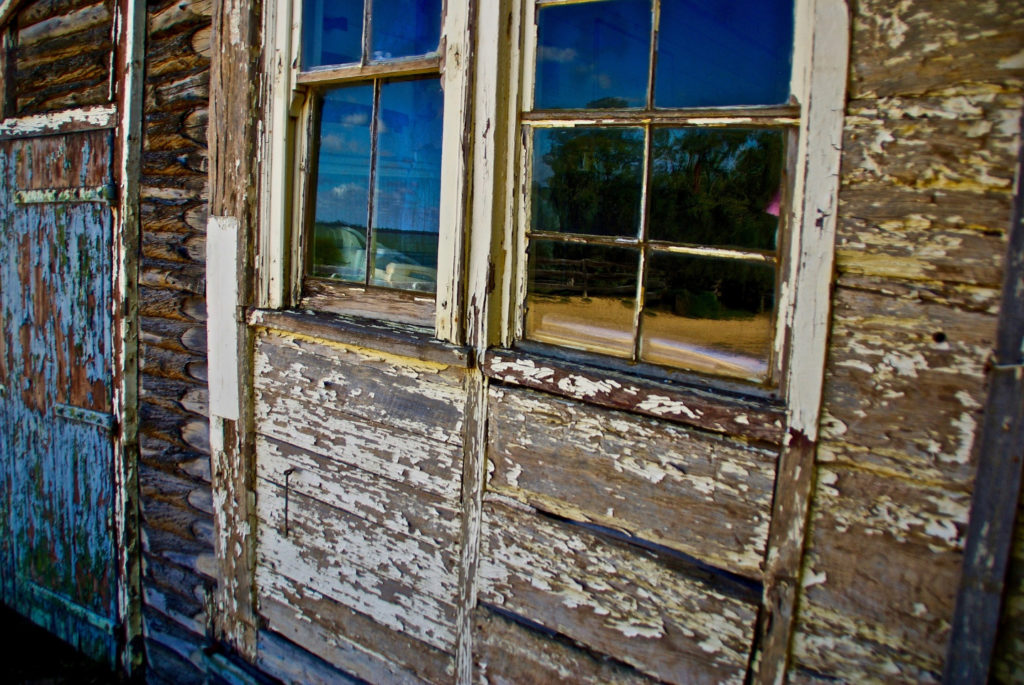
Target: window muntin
x,y
375,150
655,236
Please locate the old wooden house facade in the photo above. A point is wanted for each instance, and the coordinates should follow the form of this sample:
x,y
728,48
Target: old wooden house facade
x,y
515,340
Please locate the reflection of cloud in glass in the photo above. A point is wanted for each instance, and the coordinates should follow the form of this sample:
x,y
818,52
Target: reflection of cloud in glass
x,y
592,52
548,53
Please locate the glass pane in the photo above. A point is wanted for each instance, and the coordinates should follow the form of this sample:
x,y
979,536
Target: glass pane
x,y
404,28
709,315
332,32
587,180
407,192
716,187
582,296
716,53
593,55
343,184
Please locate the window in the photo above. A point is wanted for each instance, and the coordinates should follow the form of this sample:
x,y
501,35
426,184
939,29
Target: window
x,y
658,144
367,155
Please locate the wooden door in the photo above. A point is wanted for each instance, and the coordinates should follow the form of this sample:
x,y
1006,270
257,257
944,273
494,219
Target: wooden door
x,y
56,449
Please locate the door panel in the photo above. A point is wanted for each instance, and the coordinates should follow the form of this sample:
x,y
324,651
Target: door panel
x,y
57,451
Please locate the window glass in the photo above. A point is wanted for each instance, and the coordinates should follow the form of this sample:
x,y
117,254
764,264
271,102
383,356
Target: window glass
x,y
332,32
593,55
716,186
407,184
587,180
709,315
343,184
583,296
404,28
717,53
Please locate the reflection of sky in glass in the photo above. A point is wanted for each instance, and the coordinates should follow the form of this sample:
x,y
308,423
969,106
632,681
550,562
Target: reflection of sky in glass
x,y
724,52
408,188
590,52
332,32
404,28
343,172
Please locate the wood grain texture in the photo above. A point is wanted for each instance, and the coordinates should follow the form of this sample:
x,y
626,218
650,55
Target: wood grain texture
x,y
402,582
751,419
881,574
698,493
888,354
918,47
614,600
508,653
62,56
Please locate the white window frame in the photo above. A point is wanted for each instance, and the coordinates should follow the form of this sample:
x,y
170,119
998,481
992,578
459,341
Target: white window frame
x,y
817,84
284,149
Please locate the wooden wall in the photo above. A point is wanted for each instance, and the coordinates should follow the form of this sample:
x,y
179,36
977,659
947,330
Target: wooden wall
x,y
61,55
931,135
174,472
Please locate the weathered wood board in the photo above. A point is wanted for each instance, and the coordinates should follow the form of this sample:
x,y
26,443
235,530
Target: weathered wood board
x,y
62,55
698,493
614,599
55,320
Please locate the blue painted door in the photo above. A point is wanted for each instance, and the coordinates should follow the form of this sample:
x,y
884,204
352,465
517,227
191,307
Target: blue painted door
x,y
56,448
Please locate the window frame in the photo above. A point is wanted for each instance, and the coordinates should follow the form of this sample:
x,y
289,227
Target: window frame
x,y
801,140
287,148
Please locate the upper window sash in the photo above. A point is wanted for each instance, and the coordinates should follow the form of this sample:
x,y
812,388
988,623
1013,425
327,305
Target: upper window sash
x,y
286,151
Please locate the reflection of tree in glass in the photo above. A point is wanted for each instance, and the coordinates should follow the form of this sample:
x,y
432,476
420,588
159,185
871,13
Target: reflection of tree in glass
x,y
594,184
715,187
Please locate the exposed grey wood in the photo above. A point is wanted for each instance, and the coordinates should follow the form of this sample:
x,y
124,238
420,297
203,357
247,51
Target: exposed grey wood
x,y
402,584
352,641
394,506
508,653
615,600
396,339
374,303
232,90
704,495
420,397
997,483
755,420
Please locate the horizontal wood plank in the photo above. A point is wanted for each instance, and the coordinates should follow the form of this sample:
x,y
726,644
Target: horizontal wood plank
x,y
508,652
350,641
406,511
404,584
614,600
700,494
758,420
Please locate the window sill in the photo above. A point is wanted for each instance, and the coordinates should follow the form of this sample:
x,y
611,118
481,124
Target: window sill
x,y
397,339
756,419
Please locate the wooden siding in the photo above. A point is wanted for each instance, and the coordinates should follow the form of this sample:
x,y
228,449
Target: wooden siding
x,y
62,55
174,469
931,135
359,467
703,495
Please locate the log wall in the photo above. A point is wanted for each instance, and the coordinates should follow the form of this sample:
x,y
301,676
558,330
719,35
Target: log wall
x,y
174,473
931,135
61,56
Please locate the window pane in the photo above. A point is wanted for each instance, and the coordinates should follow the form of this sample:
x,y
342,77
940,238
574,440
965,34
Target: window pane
x,y
332,32
709,315
408,185
343,184
593,55
587,180
714,53
404,28
582,296
716,187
